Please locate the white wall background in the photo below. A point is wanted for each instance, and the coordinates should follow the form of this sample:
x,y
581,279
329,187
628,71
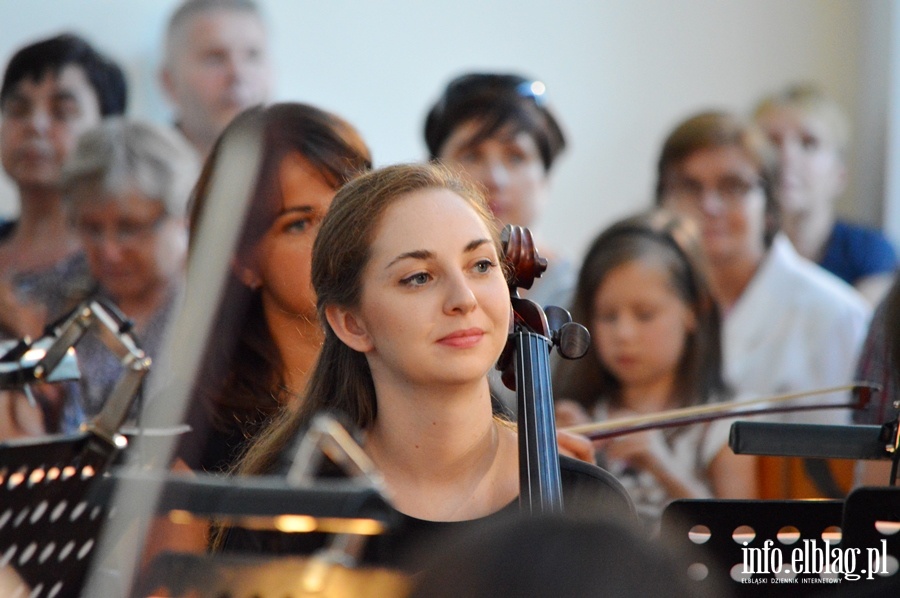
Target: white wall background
x,y
620,73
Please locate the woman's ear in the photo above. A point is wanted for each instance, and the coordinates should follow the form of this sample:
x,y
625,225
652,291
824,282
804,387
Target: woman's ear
x,y
690,320
247,274
347,327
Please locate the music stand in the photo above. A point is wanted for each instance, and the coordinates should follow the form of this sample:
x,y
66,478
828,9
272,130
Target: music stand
x,y
872,522
48,526
720,528
351,508
48,521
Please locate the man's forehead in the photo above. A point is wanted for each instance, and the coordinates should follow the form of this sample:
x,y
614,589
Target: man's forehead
x,y
211,21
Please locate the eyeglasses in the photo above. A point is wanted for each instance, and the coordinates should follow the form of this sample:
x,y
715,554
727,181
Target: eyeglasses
x,y
473,85
731,191
126,233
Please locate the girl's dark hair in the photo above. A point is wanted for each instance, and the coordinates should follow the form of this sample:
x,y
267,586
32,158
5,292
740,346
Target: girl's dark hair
x,y
241,373
674,241
709,130
52,55
341,382
495,101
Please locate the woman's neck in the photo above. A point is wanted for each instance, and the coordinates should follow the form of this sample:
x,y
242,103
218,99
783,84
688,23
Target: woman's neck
x,y
42,236
299,341
140,308
809,231
648,398
442,453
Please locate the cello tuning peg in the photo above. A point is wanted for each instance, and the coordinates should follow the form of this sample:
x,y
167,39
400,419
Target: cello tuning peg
x,y
556,317
574,340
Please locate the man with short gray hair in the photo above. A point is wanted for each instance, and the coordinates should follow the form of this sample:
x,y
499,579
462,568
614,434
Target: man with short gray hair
x,y
216,65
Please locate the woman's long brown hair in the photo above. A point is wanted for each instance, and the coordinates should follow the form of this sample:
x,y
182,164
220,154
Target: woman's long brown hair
x,y
240,378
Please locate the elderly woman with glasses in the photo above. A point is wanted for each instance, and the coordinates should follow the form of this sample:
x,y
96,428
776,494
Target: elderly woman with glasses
x,y
788,324
498,129
127,184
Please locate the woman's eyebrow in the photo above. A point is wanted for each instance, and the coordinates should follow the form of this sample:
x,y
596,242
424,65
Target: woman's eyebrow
x,y
424,254
473,245
306,209
418,254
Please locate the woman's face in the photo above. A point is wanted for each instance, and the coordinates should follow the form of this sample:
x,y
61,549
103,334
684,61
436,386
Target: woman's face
x,y
133,247
720,189
640,325
281,260
812,170
435,304
507,164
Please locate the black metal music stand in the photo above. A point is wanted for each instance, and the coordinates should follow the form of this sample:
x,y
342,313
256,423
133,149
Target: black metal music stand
x,y
352,509
722,527
49,524
872,523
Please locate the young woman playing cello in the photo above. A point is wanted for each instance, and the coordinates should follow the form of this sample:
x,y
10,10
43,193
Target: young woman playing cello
x,y
411,291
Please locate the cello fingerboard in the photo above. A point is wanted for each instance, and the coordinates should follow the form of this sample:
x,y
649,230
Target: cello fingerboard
x,y
540,487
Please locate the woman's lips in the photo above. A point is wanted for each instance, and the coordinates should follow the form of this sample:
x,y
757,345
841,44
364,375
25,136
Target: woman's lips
x,y
462,338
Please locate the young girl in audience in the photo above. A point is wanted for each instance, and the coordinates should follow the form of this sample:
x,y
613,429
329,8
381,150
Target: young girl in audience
x,y
412,294
644,294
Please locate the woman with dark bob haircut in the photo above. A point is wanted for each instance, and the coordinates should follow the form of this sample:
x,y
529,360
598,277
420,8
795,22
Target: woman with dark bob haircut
x,y
499,131
415,305
267,335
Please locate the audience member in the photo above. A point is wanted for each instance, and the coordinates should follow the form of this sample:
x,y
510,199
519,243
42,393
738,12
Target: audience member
x,y
52,91
498,129
128,183
267,336
811,133
788,324
644,293
216,65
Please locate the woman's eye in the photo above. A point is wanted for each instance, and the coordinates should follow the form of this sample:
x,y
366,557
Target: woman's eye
x,y
16,109
645,315
416,280
516,157
297,226
604,317
65,110
484,266
468,157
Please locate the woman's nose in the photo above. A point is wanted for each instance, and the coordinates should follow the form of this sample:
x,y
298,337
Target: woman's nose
x,y
460,297
494,174
623,328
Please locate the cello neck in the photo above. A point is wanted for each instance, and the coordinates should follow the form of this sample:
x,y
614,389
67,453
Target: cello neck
x,y
539,476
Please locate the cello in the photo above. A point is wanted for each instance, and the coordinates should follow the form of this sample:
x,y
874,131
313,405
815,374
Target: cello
x,y
525,363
